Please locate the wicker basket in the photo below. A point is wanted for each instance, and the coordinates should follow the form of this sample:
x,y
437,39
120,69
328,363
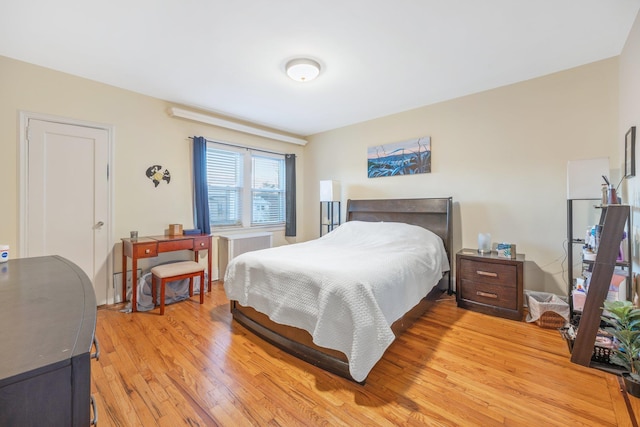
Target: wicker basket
x,y
546,310
551,320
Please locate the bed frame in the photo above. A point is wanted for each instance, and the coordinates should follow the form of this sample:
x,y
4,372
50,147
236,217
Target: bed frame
x,y
433,214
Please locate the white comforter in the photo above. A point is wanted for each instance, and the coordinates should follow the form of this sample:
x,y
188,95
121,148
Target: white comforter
x,y
345,288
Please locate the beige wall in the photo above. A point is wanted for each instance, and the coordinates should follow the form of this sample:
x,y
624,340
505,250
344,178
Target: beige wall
x,y
500,154
144,135
630,116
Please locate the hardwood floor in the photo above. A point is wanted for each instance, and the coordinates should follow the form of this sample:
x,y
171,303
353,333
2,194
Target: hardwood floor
x,y
195,367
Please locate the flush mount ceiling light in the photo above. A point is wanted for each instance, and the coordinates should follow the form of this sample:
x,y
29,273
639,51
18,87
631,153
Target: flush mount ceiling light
x,y
303,69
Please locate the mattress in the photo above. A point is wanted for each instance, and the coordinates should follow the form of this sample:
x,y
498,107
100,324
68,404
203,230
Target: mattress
x,y
345,288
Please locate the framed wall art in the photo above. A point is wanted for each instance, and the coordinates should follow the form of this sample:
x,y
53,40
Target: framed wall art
x,y
630,153
400,158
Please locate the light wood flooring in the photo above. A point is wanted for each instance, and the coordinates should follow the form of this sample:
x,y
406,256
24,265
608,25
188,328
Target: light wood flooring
x,y
195,367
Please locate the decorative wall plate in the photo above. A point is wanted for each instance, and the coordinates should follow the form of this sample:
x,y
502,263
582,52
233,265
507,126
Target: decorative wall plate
x,y
156,174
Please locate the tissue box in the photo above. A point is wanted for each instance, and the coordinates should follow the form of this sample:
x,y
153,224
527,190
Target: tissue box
x,y
506,250
175,229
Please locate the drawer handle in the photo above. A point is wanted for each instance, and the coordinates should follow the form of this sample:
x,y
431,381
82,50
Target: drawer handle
x,y
201,243
486,273
96,355
486,294
147,251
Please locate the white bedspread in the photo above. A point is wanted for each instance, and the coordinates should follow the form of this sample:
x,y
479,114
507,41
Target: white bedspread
x,y
345,288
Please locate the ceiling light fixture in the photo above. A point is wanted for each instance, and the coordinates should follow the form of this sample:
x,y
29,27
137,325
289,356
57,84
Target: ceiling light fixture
x,y
303,69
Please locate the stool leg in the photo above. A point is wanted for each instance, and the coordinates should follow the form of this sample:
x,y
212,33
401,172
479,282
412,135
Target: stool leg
x,y
202,287
191,286
162,286
153,290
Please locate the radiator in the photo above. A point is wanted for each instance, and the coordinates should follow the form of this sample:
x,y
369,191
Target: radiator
x,y
232,245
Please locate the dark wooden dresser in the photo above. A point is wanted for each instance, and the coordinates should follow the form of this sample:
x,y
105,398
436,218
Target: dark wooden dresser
x,y
490,284
47,329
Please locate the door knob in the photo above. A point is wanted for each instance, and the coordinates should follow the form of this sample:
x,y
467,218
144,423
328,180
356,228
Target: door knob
x,y
98,225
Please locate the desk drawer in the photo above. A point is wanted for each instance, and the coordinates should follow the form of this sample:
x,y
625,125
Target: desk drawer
x,y
175,245
146,250
201,243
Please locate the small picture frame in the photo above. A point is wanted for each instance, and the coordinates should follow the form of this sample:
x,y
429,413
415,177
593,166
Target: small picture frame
x,y
630,153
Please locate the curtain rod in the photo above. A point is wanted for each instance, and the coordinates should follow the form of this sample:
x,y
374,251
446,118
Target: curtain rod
x,y
246,148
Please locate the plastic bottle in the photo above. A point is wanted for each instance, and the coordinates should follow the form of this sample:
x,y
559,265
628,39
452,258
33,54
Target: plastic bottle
x,y
4,253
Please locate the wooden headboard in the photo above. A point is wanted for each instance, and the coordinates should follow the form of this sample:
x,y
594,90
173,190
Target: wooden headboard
x,y
434,214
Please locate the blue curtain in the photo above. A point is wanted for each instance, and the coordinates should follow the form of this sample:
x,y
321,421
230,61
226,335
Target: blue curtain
x,y
290,196
201,208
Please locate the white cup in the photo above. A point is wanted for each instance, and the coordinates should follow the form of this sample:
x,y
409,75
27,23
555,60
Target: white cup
x,y
4,253
484,243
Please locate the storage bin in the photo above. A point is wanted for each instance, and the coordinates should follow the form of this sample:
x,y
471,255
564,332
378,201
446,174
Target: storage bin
x,y
600,353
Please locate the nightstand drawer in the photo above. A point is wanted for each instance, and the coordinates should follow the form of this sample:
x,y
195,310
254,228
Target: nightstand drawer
x,y
489,273
484,293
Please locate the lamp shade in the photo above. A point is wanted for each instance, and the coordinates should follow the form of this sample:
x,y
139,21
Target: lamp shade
x,y
329,191
584,178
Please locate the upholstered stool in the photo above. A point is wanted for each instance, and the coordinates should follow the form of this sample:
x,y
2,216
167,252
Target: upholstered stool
x,y
176,271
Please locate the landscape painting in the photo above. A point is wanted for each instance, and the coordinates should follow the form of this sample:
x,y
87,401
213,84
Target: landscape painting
x,y
401,158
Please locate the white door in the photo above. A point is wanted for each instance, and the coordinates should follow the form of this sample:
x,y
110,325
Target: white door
x,y
67,197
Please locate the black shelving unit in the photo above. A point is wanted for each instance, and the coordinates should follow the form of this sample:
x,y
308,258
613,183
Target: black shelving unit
x,y
615,219
576,242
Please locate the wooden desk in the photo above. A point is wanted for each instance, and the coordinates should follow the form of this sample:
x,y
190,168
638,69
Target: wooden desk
x,y
151,246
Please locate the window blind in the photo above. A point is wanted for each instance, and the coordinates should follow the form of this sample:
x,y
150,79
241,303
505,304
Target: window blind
x,y
267,190
238,178
224,178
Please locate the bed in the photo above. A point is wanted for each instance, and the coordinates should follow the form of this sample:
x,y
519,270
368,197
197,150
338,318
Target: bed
x,y
335,301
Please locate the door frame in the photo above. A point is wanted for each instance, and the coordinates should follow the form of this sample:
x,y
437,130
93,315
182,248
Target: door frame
x,y
23,171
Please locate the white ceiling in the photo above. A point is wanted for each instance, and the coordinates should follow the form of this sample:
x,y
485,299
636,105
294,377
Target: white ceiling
x,y
378,56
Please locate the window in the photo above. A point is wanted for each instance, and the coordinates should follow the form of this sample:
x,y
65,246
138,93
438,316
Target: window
x,y
267,190
237,178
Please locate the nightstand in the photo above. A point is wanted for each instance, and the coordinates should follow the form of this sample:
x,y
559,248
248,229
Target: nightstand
x,y
490,284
